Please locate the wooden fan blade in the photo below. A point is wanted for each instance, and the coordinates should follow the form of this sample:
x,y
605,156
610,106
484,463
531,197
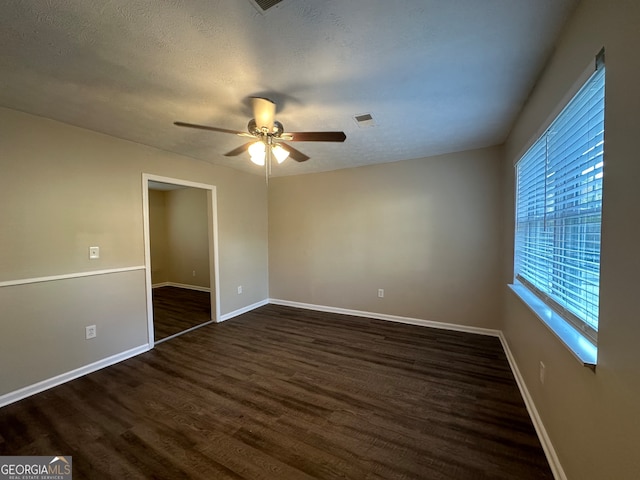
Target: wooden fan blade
x,y
205,127
296,155
237,151
264,111
317,136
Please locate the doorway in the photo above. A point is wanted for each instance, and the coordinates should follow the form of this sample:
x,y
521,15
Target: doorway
x,y
181,256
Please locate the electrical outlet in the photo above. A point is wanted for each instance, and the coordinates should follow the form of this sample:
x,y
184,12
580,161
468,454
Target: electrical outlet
x,y
91,332
94,252
239,289
194,273
381,293
542,372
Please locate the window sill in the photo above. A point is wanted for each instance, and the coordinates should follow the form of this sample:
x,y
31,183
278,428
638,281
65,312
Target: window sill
x,y
581,348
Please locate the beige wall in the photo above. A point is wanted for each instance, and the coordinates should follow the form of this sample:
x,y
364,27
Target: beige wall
x,y
43,325
426,231
158,242
178,221
63,189
187,230
593,419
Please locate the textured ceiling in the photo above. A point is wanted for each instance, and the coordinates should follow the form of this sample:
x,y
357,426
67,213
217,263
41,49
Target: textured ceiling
x,y
437,76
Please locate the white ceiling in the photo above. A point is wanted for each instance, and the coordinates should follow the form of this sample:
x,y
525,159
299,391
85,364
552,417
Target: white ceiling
x,y
438,76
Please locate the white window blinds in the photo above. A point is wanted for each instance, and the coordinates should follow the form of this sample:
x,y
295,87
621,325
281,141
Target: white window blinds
x,y
558,209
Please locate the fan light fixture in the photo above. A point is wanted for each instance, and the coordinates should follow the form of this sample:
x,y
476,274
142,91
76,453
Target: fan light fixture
x,y
258,153
280,153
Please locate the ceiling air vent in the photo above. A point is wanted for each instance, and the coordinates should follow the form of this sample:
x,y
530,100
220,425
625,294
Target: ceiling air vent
x,y
264,5
364,120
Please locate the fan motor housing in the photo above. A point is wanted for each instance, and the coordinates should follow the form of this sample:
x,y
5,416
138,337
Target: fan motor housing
x,y
253,129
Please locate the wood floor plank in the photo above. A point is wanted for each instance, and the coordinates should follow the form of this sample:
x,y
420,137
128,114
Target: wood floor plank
x,y
178,309
284,393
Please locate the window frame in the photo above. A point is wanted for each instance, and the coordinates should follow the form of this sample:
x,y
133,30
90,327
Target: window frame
x,y
542,303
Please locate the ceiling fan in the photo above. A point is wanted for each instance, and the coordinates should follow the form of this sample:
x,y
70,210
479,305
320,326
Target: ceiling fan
x,y
268,136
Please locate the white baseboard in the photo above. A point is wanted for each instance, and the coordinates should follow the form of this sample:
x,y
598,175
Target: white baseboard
x,y
547,446
242,310
390,318
29,390
181,285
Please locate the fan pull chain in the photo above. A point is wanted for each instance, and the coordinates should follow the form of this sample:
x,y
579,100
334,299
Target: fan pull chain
x,y
267,166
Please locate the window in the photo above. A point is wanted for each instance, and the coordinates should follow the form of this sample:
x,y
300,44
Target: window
x,y
558,209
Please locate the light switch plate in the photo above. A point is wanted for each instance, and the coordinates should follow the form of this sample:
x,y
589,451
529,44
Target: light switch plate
x,y
94,252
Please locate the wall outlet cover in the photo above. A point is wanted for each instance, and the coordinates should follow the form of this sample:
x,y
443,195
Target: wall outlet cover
x,y
90,331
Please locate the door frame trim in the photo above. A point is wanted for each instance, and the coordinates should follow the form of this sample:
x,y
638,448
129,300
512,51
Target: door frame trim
x,y
212,211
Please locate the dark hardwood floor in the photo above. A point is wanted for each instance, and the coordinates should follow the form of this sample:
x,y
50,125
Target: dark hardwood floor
x,y
283,393
178,309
